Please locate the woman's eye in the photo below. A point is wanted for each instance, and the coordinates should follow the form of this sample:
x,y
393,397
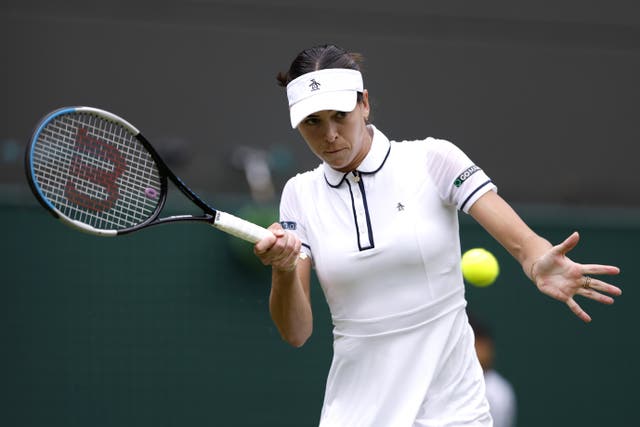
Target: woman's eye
x,y
341,114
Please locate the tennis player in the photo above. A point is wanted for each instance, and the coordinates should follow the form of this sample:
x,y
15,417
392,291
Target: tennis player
x,y
378,221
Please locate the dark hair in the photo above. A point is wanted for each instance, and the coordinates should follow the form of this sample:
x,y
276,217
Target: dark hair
x,y
320,58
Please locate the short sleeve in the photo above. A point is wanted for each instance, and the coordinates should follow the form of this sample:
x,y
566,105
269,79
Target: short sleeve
x,y
459,181
291,216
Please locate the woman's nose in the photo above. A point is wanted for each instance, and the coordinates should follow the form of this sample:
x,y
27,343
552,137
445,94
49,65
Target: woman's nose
x,y
331,133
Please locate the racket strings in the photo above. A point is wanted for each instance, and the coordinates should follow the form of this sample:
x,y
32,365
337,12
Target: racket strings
x,y
96,172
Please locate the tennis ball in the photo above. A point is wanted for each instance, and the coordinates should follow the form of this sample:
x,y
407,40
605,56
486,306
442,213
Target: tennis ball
x,y
479,267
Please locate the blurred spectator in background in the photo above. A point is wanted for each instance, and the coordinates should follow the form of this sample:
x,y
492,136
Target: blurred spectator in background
x,y
500,393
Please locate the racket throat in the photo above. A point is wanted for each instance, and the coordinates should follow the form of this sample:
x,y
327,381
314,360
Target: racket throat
x,y
169,219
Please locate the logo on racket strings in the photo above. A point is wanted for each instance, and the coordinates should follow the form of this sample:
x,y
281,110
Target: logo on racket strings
x,y
95,167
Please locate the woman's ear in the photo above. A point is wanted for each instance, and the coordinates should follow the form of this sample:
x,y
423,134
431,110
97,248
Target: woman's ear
x,y
365,105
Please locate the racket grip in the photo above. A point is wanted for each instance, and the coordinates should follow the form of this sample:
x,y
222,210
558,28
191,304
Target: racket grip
x,y
242,229
239,227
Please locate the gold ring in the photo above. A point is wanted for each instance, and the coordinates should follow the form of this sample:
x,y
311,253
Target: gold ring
x,y
587,282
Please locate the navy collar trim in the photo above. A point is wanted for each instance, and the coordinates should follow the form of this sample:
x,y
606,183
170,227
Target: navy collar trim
x,y
372,163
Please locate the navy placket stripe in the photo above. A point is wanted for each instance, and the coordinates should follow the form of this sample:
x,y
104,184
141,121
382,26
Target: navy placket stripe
x,y
367,220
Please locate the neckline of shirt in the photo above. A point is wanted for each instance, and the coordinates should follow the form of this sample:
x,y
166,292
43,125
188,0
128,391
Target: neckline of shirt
x,y
372,163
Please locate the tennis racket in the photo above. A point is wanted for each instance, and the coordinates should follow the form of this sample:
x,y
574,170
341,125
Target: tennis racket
x,y
96,172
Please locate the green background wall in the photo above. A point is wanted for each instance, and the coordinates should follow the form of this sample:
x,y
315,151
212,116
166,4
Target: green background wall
x,y
170,327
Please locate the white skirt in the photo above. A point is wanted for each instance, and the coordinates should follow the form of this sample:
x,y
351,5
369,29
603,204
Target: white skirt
x,y
410,370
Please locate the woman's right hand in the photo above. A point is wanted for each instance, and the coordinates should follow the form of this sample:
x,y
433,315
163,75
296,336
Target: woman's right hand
x,y
281,250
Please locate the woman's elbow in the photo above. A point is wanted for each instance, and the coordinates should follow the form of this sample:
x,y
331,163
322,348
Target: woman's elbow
x,y
296,340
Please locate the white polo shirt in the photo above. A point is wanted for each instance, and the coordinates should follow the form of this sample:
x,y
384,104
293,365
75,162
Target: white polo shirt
x,y
384,239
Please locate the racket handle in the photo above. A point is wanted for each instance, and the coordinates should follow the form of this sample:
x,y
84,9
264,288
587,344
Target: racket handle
x,y
239,227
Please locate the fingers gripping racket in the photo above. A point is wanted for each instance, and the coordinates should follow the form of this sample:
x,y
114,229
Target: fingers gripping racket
x,y
96,172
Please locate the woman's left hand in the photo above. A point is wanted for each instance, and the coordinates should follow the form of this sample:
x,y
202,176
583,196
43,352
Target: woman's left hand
x,y
559,277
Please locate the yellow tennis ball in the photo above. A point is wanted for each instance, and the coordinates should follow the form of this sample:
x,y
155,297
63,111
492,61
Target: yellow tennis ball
x,y
479,267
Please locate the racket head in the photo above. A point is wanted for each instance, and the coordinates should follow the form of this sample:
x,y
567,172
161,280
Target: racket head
x,y
95,172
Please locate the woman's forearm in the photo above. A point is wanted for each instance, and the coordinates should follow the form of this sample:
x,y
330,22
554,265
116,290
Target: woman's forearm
x,y
290,303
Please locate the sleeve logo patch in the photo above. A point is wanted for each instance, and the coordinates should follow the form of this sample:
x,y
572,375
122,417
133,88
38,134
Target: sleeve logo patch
x,y
288,225
465,175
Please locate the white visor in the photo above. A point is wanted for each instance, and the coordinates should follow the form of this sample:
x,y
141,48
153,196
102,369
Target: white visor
x,y
329,89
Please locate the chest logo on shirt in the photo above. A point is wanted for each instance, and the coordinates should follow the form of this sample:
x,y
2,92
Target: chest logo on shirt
x,y
465,175
400,207
288,225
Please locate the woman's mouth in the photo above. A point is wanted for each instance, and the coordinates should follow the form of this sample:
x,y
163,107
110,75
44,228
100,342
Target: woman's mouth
x,y
334,151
